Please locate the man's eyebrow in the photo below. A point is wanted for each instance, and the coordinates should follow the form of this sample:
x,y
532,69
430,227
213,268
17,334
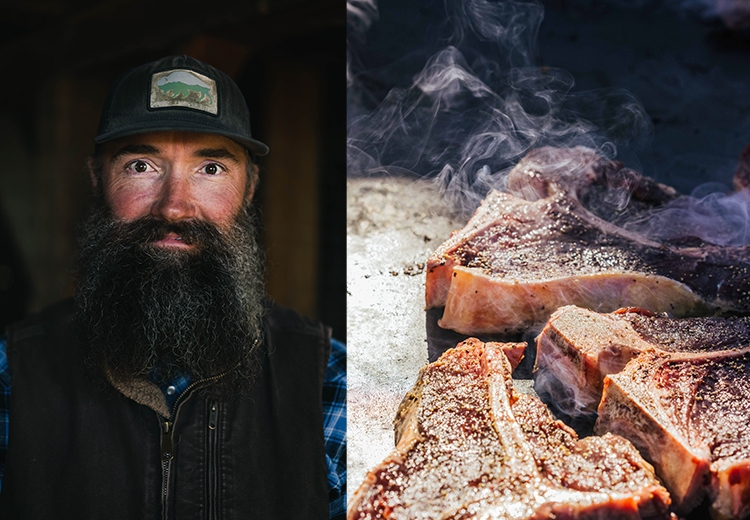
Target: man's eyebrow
x,y
135,149
216,153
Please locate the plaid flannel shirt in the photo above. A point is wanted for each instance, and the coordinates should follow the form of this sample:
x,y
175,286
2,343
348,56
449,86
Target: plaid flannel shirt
x,y
334,419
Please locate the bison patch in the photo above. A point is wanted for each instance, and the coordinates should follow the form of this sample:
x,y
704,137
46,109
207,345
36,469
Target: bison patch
x,y
183,88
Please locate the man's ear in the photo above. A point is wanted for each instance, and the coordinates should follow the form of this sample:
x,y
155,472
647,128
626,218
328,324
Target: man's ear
x,y
93,173
252,183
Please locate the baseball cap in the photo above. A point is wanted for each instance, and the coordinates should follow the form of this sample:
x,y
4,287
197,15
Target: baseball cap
x,y
177,93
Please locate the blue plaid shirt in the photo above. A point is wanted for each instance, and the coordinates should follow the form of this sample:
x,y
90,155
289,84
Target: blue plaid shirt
x,y
334,419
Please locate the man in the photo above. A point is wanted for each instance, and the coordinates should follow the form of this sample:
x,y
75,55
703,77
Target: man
x,y
169,387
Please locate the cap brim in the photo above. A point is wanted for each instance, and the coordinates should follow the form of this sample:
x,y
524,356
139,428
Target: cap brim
x,y
255,146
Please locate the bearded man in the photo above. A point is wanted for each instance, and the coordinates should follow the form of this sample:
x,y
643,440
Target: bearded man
x,y
169,386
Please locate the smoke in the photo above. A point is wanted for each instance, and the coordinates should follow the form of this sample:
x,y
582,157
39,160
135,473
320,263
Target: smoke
x,y
481,103
567,396
466,98
716,218
360,15
733,14
730,14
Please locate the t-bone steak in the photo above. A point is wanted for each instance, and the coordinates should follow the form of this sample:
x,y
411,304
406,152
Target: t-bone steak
x,y
578,347
679,389
469,446
689,414
552,239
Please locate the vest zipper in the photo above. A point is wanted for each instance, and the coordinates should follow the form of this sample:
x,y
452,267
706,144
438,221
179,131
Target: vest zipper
x,y
167,454
167,442
213,462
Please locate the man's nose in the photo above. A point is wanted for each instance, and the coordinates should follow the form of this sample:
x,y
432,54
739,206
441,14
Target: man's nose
x,y
175,200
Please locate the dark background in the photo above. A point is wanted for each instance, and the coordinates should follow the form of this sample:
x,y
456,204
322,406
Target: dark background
x,y
686,61
59,58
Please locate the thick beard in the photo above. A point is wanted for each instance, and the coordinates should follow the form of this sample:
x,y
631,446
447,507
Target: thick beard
x,y
146,311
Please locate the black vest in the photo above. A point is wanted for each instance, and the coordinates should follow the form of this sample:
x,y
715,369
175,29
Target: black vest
x,y
78,452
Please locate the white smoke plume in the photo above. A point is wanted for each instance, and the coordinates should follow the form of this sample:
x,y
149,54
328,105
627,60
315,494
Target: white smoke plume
x,y
716,218
481,103
360,15
482,100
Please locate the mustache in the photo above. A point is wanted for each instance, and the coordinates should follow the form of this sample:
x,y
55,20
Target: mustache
x,y
146,230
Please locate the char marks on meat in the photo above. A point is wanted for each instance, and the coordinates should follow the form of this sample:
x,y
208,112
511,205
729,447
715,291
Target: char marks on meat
x,y
469,446
679,389
553,240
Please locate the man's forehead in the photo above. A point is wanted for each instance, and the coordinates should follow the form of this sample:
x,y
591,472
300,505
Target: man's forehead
x,y
194,143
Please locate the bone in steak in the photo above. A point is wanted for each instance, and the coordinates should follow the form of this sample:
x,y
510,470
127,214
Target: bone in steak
x,y
578,347
689,414
552,241
469,446
679,389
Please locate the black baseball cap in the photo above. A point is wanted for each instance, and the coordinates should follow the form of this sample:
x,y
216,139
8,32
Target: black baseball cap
x,y
177,93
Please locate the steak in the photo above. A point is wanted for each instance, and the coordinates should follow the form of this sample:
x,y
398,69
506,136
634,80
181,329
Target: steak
x,y
553,239
578,347
679,389
689,414
469,446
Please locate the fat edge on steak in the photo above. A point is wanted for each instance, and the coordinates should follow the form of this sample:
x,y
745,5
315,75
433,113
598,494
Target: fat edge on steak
x,y
526,253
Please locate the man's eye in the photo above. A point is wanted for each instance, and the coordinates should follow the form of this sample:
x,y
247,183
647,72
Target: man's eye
x,y
139,166
212,168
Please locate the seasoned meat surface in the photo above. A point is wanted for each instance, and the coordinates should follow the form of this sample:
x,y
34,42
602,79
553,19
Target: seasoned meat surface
x,y
552,239
578,347
689,414
679,389
470,446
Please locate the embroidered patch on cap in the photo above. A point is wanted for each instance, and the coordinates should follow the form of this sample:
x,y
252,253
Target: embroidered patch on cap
x,y
183,88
